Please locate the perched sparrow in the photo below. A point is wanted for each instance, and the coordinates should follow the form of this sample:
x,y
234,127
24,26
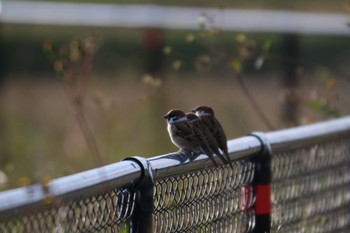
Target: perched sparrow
x,y
185,136
206,114
213,145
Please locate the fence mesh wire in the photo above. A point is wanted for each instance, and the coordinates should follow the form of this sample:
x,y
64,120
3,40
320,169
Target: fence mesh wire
x,y
311,189
310,193
105,212
210,200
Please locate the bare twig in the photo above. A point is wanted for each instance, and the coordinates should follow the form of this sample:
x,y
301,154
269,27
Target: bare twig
x,y
74,64
88,135
251,99
75,87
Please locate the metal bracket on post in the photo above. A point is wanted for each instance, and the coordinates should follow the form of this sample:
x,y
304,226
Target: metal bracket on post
x,y
262,185
142,219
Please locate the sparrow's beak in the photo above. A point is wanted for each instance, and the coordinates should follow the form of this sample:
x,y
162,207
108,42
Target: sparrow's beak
x,y
165,116
193,110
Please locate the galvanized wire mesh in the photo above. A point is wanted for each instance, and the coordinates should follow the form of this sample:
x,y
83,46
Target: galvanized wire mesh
x,y
311,189
105,212
208,200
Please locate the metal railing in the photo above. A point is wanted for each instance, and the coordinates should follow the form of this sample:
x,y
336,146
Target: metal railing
x,y
171,17
294,180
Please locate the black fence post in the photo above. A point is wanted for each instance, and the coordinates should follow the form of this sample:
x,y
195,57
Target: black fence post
x,y
262,186
142,221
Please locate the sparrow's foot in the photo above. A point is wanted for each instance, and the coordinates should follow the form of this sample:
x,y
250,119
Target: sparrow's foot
x,y
190,154
194,155
179,156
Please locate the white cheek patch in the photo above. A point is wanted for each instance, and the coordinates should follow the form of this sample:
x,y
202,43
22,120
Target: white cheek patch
x,y
203,114
195,120
182,119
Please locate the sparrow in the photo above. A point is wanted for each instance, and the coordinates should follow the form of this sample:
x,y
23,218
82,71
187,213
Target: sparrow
x,y
199,125
207,116
185,136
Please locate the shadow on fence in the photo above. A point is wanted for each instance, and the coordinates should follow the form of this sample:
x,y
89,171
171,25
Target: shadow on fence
x,y
293,180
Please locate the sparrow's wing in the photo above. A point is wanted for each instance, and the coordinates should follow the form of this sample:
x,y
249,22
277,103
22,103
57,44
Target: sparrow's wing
x,y
204,144
222,139
218,133
195,137
213,144
210,123
185,130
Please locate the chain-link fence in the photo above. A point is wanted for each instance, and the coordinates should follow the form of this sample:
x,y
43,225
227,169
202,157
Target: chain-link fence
x,y
69,205
109,211
311,188
208,200
295,180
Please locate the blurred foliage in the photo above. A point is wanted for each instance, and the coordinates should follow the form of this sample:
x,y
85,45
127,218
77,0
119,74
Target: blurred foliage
x,y
122,48
326,105
151,81
248,50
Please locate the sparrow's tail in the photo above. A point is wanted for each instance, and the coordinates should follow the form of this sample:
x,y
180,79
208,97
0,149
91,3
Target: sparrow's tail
x,y
223,159
210,155
228,158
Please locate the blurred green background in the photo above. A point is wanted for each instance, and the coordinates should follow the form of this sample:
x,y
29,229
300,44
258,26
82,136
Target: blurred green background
x,y
39,133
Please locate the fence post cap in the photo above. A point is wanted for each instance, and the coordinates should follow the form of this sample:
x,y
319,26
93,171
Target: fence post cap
x,y
146,169
266,151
